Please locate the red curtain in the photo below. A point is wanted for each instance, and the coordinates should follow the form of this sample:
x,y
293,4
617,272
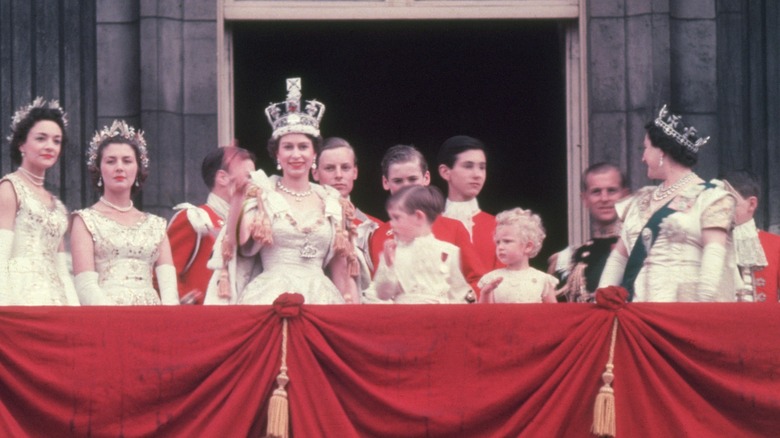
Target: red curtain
x,y
699,370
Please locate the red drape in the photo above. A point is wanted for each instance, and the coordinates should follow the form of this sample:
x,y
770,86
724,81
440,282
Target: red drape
x,y
699,370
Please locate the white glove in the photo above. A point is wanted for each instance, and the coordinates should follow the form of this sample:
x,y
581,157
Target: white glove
x,y
713,258
612,275
166,279
89,291
6,245
67,281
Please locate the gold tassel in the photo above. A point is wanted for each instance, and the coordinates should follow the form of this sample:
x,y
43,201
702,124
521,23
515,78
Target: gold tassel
x,y
278,407
604,409
261,225
223,284
576,283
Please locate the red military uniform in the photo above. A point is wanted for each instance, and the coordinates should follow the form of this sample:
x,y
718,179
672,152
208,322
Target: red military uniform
x,y
482,234
767,280
191,245
446,229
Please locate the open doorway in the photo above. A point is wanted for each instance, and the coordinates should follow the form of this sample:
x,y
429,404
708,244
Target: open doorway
x,y
420,82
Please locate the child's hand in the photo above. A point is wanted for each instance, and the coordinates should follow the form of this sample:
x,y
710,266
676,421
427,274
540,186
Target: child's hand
x,y
389,252
487,291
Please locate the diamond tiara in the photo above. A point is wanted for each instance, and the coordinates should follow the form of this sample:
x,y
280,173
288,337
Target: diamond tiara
x,y
668,123
39,102
286,117
118,129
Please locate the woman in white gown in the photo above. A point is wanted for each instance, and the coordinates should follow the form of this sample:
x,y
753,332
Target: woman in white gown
x,y
33,263
115,246
296,231
675,243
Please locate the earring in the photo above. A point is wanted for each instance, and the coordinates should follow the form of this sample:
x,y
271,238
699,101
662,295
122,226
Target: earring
x,y
100,182
22,154
313,166
278,165
136,183
661,161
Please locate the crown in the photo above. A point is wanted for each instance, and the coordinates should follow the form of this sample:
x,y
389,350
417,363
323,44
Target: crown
x,y
39,102
668,123
286,117
118,129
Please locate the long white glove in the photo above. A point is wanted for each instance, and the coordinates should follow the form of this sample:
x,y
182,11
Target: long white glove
x,y
6,245
67,281
612,275
166,279
89,291
713,258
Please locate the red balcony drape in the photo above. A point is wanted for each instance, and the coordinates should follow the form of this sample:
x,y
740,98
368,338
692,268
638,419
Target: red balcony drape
x,y
699,370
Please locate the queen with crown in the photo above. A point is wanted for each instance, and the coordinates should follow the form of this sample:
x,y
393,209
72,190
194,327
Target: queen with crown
x,y
33,263
115,246
295,233
675,244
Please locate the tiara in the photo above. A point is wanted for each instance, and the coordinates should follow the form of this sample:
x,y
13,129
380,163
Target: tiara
x,y
23,112
668,123
286,117
118,129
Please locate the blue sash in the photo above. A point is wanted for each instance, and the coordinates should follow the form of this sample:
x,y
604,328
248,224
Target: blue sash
x,y
639,253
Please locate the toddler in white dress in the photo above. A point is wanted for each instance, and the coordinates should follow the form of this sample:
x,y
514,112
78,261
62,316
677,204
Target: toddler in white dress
x,y
519,236
415,267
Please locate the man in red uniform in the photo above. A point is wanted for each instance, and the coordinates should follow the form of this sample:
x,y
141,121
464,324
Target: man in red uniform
x,y
766,280
463,165
192,230
402,166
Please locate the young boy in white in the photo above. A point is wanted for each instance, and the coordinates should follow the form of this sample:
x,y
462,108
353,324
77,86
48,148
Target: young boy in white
x,y
415,267
519,236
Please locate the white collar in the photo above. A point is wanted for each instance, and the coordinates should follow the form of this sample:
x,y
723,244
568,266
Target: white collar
x,y
219,205
463,211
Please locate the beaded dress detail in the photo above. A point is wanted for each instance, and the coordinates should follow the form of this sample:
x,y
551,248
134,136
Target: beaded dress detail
x,y
33,279
125,256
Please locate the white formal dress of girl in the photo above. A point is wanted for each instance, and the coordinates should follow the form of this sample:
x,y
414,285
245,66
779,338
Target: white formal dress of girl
x,y
519,236
415,267
33,263
115,246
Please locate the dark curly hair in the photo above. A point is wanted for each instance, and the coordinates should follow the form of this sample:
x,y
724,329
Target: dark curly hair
x,y
669,145
140,177
22,129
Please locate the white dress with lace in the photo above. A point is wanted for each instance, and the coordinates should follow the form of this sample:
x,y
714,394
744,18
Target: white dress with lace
x,y
520,286
301,249
125,256
671,270
32,277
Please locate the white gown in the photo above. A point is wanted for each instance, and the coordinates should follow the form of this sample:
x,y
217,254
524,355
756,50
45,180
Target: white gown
x,y
32,277
125,256
523,286
671,270
295,262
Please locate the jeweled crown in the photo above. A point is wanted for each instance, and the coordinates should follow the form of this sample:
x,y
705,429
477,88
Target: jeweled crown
x,y
119,128
287,117
39,102
686,137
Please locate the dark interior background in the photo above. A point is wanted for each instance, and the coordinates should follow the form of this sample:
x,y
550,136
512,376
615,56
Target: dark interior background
x,y
420,82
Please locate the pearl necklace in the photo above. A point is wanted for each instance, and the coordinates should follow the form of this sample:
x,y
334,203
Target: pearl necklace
x,y
116,207
33,178
661,193
298,195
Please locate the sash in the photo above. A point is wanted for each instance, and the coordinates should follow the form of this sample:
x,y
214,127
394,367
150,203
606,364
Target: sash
x,y
639,253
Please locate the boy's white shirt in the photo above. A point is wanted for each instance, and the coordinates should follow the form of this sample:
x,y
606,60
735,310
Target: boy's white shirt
x,y
426,271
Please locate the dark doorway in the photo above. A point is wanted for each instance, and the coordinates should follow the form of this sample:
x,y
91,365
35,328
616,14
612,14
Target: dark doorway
x,y
420,82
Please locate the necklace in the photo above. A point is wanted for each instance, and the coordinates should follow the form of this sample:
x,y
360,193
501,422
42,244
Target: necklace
x,y
116,207
298,195
661,193
33,178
